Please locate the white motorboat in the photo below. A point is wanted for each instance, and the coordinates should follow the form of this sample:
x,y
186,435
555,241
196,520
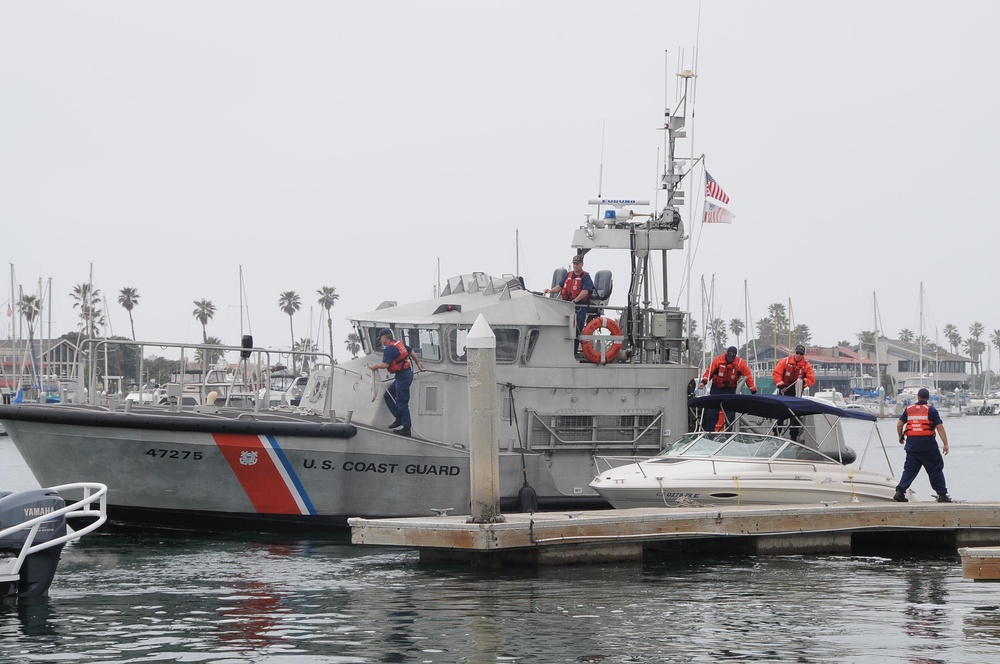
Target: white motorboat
x,y
751,463
286,388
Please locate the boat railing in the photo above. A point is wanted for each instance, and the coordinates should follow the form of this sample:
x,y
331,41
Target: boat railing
x,y
615,461
250,356
92,506
728,447
635,430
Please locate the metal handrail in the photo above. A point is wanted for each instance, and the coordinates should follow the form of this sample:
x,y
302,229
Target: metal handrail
x,y
92,492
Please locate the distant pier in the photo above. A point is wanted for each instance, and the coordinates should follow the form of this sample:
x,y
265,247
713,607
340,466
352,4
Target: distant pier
x,y
590,537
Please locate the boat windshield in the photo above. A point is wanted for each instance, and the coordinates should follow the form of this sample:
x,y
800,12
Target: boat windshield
x,y
696,444
740,446
281,382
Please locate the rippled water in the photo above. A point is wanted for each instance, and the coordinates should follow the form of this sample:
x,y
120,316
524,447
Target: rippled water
x,y
209,599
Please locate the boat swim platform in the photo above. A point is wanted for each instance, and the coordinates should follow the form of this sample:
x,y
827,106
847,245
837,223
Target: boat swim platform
x,y
601,536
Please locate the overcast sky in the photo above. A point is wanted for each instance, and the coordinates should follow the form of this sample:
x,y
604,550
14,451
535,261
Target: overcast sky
x,y
354,144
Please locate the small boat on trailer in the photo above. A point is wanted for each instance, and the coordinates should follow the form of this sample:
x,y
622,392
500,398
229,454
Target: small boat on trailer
x,y
754,461
34,527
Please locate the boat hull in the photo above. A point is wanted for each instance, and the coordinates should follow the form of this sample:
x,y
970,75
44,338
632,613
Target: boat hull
x,y
735,484
210,473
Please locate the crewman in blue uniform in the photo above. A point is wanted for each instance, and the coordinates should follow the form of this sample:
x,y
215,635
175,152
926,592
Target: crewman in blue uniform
x,y
916,427
396,359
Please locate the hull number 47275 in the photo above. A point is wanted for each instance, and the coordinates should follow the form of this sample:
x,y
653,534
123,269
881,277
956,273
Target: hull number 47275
x,y
174,454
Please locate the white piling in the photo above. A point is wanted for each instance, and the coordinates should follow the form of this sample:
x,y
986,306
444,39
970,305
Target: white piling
x,y
484,449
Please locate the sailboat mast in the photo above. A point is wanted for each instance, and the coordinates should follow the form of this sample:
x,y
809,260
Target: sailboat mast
x,y
517,252
920,333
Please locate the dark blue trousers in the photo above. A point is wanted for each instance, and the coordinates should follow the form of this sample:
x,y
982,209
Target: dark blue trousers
x,y
923,453
397,396
711,417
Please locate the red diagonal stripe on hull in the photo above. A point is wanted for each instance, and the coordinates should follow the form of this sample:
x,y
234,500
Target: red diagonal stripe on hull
x,y
263,484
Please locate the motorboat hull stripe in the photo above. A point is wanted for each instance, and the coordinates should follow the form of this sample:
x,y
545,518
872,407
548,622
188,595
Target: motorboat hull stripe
x,y
265,474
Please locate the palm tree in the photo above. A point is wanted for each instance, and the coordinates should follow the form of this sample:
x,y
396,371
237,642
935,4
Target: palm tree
x,y
211,355
128,297
353,344
974,347
204,310
779,317
88,299
718,332
766,331
906,335
736,327
953,337
866,339
289,303
802,335
995,339
327,296
306,345
976,330
30,307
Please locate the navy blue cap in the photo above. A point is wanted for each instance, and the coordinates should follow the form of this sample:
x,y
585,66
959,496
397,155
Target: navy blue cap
x,y
923,393
385,332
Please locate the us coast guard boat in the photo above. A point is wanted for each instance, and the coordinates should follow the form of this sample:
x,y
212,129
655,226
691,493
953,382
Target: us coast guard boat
x,y
332,456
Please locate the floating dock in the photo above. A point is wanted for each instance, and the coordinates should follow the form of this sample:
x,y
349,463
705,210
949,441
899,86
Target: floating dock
x,y
981,563
560,538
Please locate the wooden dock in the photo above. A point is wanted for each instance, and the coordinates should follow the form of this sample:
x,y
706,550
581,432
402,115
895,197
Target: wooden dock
x,y
559,538
981,563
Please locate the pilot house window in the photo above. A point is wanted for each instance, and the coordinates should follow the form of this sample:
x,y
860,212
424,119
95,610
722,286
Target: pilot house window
x,y
507,339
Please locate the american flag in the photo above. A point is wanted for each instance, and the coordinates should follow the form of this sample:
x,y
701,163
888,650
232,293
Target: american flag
x,y
713,189
716,214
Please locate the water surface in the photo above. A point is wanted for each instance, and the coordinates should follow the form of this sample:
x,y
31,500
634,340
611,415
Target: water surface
x,y
151,598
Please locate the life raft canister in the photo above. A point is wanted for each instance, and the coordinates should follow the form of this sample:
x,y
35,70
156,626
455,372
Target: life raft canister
x,y
610,352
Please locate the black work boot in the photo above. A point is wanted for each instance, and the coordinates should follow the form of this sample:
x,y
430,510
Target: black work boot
x,y
398,422
405,431
944,498
900,497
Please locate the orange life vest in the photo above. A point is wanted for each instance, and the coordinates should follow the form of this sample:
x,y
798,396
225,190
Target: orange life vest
x,y
793,370
573,285
918,420
402,360
726,374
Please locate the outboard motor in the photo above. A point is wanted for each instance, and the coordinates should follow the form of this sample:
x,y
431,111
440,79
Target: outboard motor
x,y
39,568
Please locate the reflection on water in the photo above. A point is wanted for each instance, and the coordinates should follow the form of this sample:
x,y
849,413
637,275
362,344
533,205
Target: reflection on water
x,y
135,599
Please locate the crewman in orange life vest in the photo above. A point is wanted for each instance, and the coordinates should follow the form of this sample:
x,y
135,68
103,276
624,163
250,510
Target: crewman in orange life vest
x,y
919,422
786,373
725,372
577,289
396,358
790,369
